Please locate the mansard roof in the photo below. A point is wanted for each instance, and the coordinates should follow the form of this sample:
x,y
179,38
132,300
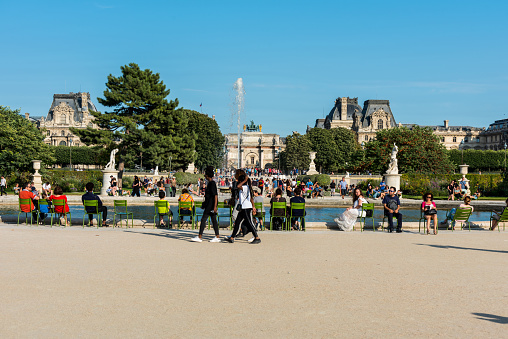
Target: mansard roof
x,y
74,101
352,106
371,106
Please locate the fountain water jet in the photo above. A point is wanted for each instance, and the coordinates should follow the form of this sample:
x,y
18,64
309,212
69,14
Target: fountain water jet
x,y
238,105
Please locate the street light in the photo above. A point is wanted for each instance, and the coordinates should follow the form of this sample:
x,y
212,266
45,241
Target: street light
x,y
462,147
505,156
70,154
170,158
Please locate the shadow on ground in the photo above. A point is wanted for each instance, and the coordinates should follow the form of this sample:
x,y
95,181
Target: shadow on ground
x,y
463,248
491,317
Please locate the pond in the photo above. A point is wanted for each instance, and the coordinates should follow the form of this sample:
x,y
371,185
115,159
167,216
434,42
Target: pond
x,y
314,214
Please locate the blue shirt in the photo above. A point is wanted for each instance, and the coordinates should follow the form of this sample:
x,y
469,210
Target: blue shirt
x,y
297,200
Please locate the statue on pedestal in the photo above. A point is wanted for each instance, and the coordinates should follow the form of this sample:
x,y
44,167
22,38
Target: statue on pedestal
x,y
393,167
156,172
111,164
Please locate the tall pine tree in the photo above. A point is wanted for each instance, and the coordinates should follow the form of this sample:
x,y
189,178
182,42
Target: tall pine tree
x,y
142,121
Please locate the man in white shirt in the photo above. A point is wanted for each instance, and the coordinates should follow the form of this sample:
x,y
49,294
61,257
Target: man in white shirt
x,y
3,186
46,188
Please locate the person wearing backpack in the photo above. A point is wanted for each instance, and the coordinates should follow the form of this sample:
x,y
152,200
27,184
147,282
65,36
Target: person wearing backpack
x,y
391,205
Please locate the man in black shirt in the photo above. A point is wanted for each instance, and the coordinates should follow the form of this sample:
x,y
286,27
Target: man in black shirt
x,y
391,204
90,196
210,207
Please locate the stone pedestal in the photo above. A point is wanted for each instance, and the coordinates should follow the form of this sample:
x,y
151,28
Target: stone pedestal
x,y
106,173
463,169
37,177
312,167
393,180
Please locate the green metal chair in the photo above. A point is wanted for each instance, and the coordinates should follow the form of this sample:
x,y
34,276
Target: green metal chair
x,y
51,211
198,214
366,207
224,211
186,209
120,209
161,206
278,206
462,215
502,219
95,205
27,202
422,218
60,202
296,206
260,213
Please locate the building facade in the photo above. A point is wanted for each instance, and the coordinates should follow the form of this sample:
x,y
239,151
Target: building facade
x,y
257,149
375,115
66,111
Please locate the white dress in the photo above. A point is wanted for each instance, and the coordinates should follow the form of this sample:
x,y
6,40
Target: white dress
x,y
347,220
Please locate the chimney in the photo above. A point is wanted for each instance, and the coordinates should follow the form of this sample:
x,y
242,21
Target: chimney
x,y
213,117
27,115
446,123
343,108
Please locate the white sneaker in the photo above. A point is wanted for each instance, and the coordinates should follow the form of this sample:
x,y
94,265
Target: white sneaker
x,y
215,239
251,239
196,239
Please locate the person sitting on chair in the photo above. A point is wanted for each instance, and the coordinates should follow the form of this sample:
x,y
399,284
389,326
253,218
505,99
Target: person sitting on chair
x,y
391,205
297,214
91,209
496,218
278,212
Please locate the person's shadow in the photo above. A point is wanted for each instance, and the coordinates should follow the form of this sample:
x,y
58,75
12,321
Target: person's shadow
x,y
491,317
185,235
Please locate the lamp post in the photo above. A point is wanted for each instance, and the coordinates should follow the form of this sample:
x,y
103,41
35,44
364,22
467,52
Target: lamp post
x,y
462,148
505,156
70,154
170,158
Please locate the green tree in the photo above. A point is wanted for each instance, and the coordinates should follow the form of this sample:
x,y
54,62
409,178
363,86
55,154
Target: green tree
x,y
142,121
20,143
327,152
296,154
348,149
209,142
419,151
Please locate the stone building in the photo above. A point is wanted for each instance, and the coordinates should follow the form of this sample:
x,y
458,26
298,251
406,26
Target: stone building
x,y
67,110
375,115
257,149
458,137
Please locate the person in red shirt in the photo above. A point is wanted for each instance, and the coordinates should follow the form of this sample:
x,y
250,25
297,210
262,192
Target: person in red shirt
x,y
58,195
27,194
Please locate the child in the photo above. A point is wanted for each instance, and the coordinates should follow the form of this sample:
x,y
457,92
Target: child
x,y
43,208
163,211
258,199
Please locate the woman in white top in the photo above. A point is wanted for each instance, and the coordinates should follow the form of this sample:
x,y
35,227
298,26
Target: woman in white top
x,y
245,204
347,220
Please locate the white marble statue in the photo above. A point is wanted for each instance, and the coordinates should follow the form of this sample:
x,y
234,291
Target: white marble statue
x,y
156,172
393,167
111,164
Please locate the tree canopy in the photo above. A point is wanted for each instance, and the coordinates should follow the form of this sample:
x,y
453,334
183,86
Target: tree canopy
x,y
334,147
419,151
142,123
20,143
209,142
296,154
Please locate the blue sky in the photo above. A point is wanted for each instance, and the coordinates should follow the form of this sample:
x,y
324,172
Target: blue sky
x,y
433,60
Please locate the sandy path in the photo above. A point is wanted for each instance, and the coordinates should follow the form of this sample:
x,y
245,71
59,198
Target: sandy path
x,y
144,283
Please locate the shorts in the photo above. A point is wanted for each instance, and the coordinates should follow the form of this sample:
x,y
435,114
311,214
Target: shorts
x,y
343,191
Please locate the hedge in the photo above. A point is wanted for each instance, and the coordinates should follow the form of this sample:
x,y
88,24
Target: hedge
x,y
73,181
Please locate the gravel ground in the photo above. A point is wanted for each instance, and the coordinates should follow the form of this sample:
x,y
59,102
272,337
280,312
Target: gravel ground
x,y
155,283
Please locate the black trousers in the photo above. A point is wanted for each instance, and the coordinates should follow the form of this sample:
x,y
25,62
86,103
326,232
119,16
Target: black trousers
x,y
104,211
2,190
245,217
390,220
204,218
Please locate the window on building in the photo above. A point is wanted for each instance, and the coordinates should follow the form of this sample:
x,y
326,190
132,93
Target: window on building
x,y
366,138
465,139
454,139
63,133
477,139
62,143
62,119
48,133
442,139
380,124
252,160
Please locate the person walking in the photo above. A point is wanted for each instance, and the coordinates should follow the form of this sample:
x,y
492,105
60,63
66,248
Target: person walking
x,y
343,187
245,206
210,207
3,186
135,187
391,205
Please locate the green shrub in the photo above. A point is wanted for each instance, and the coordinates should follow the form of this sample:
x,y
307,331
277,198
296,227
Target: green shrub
x,y
323,179
183,178
73,181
